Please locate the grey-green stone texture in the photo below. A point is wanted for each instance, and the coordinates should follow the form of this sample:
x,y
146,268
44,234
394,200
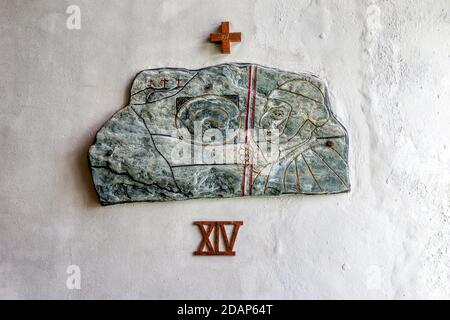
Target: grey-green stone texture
x,y
224,131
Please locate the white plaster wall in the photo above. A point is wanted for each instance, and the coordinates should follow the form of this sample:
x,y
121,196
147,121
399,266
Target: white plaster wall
x,y
388,67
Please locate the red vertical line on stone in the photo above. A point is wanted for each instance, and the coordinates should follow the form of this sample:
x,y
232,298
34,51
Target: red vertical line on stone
x,y
250,180
249,75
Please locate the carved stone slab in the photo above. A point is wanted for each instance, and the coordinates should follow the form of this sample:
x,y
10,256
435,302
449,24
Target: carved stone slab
x,y
225,131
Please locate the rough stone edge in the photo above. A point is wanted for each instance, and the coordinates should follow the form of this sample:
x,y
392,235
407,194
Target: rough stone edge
x,y
310,74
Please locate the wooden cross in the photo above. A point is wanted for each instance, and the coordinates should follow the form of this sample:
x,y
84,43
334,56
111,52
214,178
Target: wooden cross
x,y
225,37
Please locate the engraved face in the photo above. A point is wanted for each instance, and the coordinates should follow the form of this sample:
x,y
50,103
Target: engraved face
x,y
274,120
175,141
293,110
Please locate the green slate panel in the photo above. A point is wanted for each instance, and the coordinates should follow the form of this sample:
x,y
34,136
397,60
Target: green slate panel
x,y
230,130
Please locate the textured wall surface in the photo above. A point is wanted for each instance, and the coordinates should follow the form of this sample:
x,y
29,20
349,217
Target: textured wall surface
x,y
388,67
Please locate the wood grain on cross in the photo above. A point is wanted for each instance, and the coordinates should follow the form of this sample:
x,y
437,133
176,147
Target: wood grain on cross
x,y
225,37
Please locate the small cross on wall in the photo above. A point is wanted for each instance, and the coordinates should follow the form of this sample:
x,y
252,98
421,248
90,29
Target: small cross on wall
x,y
225,37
